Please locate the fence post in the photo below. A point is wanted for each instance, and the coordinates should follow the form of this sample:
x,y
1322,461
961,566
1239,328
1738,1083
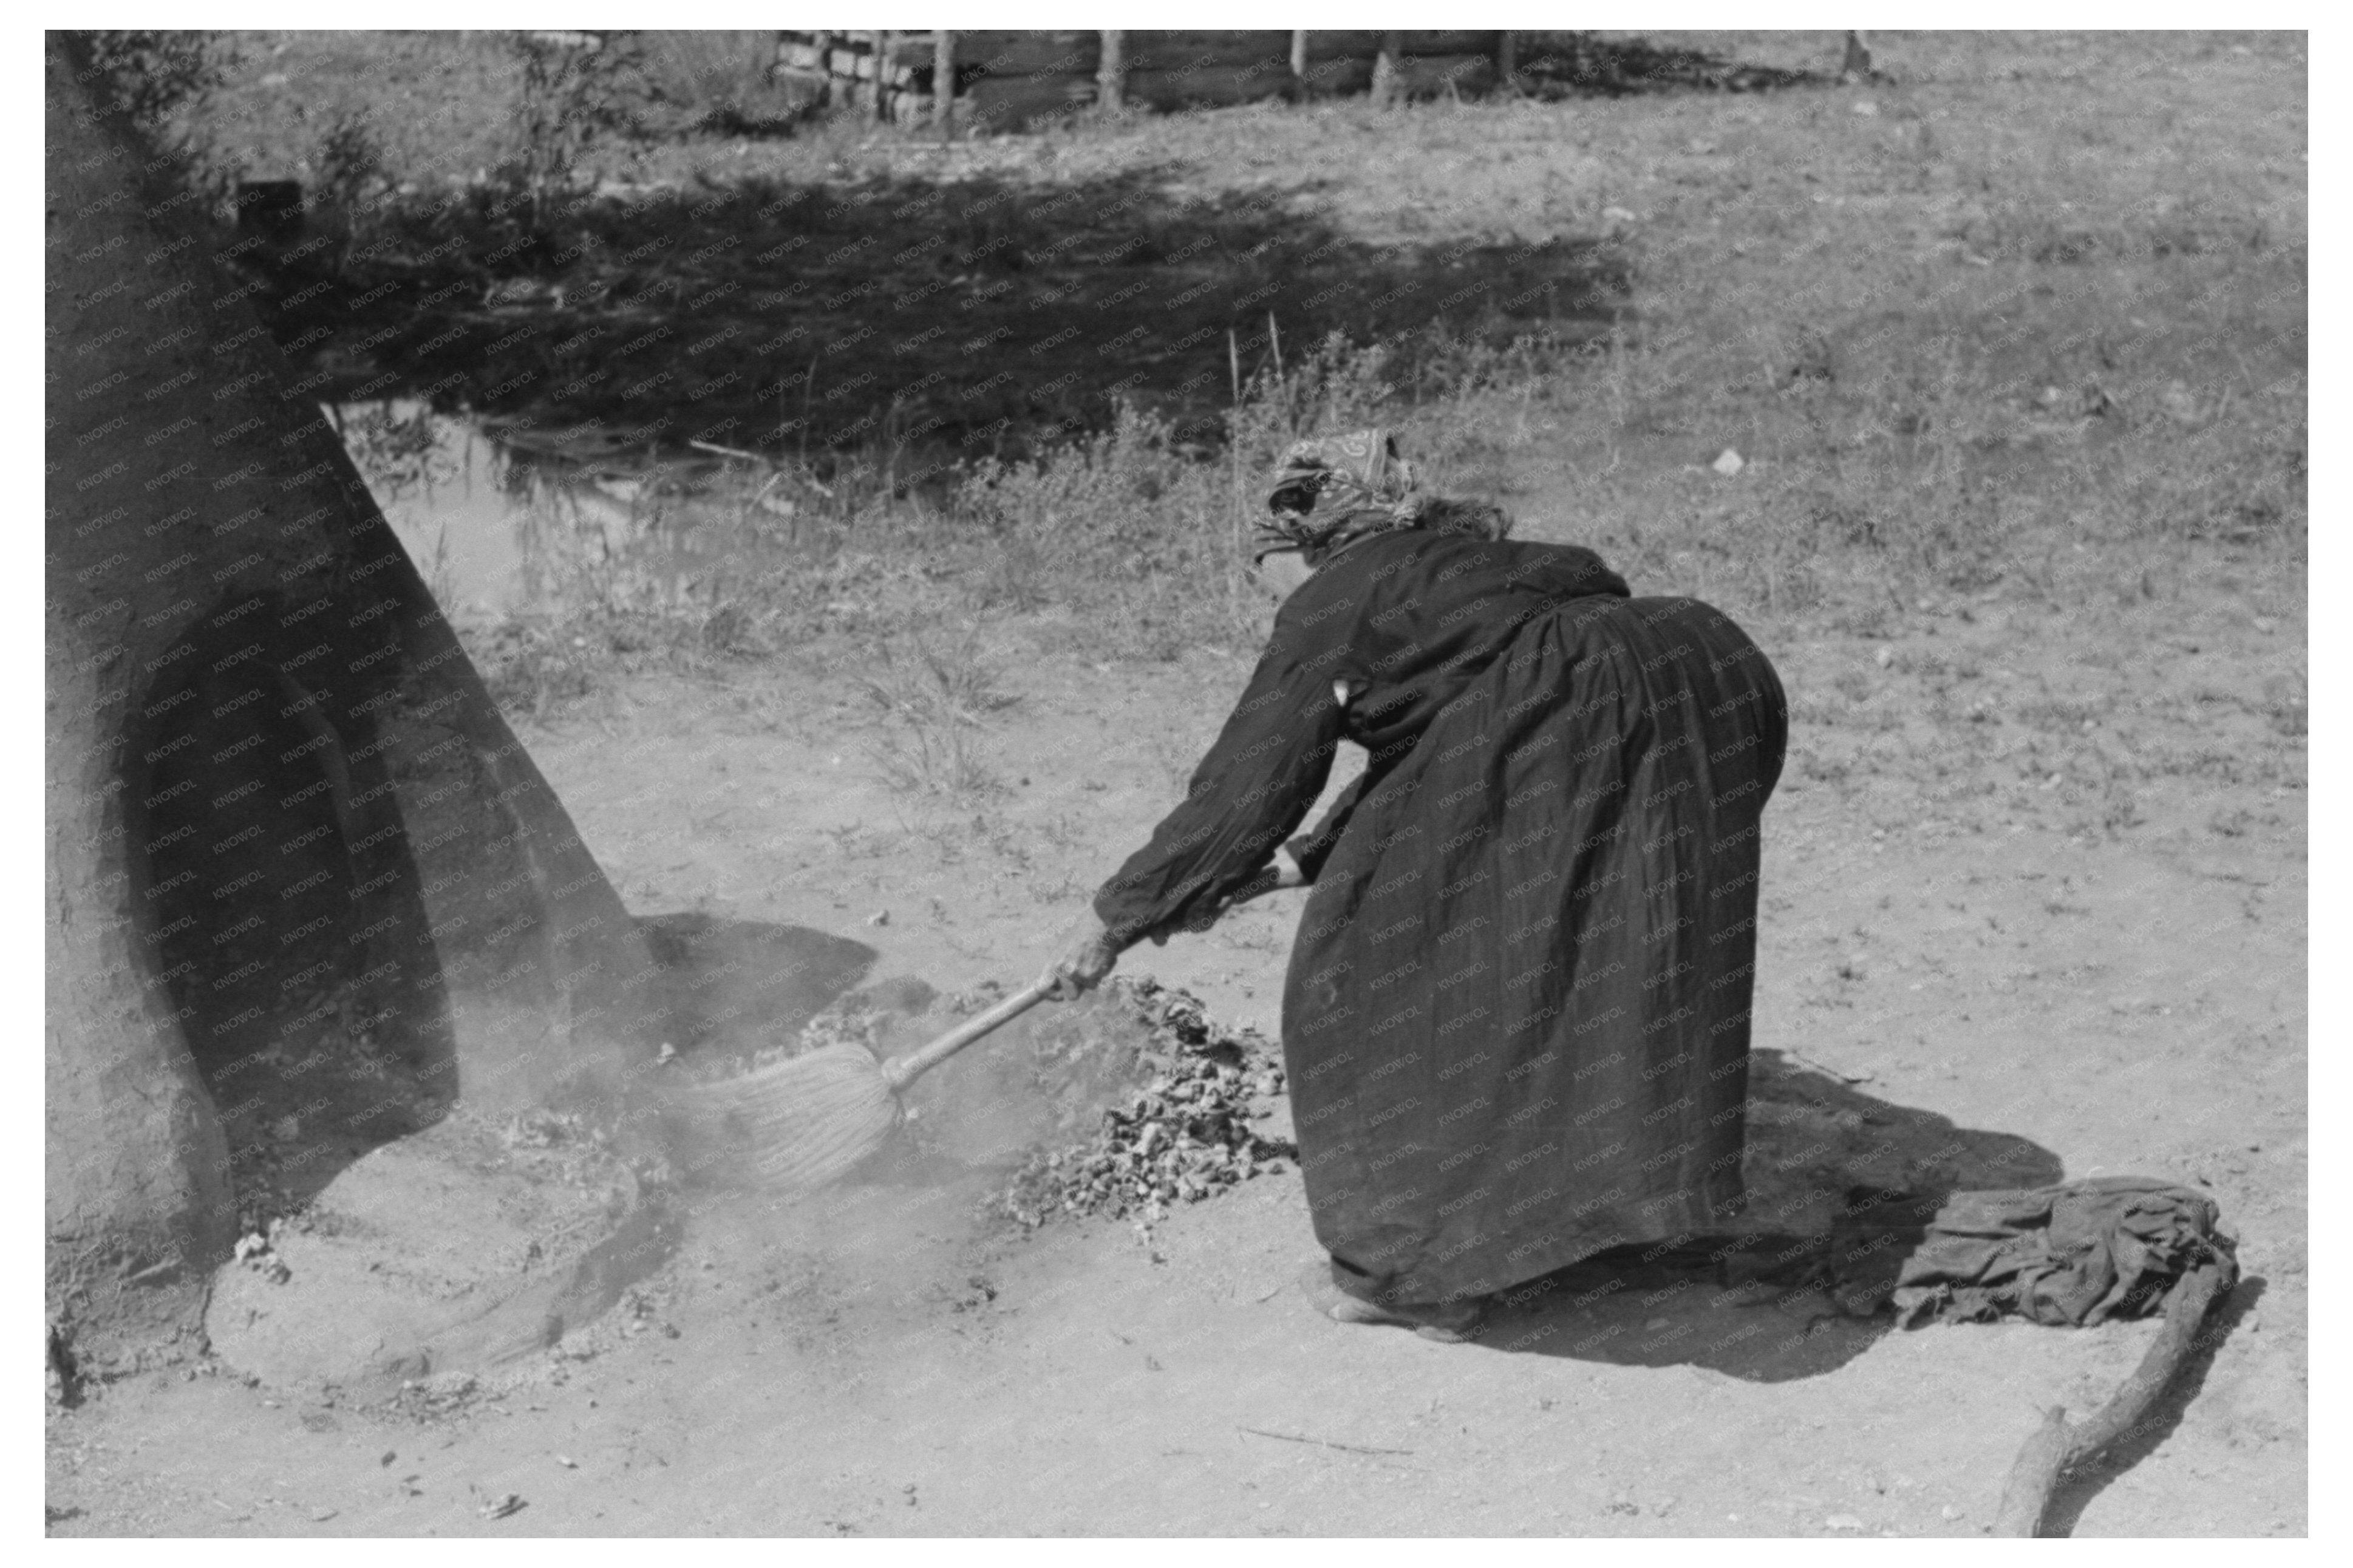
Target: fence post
x,y
886,44
943,79
1299,62
1857,65
1384,67
1111,74
1507,61
823,44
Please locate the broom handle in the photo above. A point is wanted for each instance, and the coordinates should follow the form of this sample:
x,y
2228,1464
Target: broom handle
x,y
907,1068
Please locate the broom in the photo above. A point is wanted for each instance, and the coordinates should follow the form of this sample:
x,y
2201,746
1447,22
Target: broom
x,y
803,1123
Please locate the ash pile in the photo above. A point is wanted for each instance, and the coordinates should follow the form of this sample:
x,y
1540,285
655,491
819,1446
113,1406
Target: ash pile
x,y
1184,1135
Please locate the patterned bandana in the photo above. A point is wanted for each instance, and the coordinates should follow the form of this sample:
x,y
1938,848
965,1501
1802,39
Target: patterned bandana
x,y
1331,490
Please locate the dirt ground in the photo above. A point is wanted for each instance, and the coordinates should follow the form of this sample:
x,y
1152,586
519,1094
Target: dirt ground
x,y
2037,865
878,1365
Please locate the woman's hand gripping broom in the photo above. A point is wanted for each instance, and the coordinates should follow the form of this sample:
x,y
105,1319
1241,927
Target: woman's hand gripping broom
x,y
800,1123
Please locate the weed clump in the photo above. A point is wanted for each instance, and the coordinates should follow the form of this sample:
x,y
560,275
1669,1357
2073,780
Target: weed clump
x,y
935,702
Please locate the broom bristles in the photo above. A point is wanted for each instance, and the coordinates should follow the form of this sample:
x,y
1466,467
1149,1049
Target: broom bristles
x,y
791,1126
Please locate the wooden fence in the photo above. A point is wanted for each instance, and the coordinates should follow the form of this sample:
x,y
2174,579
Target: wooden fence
x,y
1003,81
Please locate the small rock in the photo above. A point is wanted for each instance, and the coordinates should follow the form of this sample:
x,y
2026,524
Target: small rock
x,y
502,1505
1866,108
1728,462
568,1464
1842,1521
1618,215
879,917
1884,657
322,1515
1949,1512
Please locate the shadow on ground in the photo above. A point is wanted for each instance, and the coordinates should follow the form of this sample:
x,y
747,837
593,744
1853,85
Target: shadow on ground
x,y
1842,1186
968,318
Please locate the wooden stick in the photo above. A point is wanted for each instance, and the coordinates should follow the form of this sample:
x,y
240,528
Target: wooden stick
x,y
886,45
2056,1449
1856,66
1386,63
1111,74
903,1071
823,44
1319,1442
943,81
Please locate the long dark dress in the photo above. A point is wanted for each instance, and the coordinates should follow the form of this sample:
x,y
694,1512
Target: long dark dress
x,y
1517,1019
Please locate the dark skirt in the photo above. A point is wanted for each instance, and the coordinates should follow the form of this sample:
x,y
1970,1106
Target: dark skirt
x,y
1517,1018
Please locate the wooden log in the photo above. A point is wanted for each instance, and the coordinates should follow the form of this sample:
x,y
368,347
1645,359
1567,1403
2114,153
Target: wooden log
x,y
1335,77
1009,102
1208,87
1342,43
1362,44
1481,42
1432,76
1002,53
2056,1449
1190,50
1384,67
943,94
1110,73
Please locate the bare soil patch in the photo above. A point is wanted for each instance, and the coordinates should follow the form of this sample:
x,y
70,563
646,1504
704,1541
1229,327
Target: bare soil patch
x,y
2035,874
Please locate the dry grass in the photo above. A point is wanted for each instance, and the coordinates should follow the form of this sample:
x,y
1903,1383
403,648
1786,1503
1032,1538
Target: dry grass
x,y
935,702
2033,326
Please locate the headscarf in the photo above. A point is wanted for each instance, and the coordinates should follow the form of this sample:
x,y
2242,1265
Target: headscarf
x,y
1331,490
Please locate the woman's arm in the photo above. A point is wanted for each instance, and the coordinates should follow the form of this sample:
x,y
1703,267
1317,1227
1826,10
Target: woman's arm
x,y
1265,770
1311,849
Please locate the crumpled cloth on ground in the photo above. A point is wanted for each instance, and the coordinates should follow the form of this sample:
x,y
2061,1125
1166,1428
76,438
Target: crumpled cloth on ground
x,y
2076,1253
